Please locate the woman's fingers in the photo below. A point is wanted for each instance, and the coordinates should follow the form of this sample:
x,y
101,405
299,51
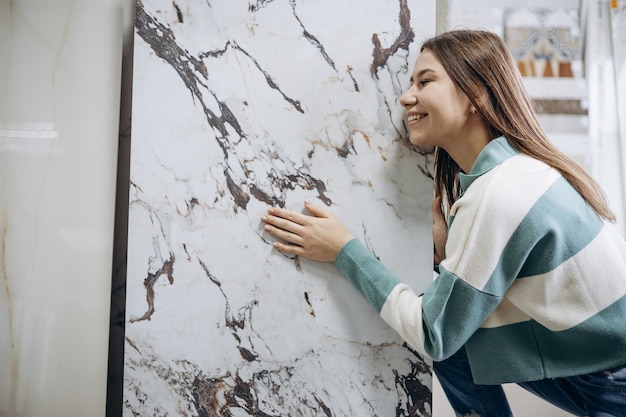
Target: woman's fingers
x,y
437,211
440,231
278,223
319,237
288,215
291,221
290,249
317,211
283,234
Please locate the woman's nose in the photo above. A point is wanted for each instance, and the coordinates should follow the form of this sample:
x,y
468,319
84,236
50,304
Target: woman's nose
x,y
408,98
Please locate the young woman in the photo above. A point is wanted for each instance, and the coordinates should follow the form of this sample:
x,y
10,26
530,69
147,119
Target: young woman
x,y
532,275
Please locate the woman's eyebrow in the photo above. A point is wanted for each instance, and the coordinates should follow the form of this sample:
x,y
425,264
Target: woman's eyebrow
x,y
424,71
420,73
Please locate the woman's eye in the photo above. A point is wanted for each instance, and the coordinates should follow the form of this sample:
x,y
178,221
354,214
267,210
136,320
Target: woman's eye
x,y
424,82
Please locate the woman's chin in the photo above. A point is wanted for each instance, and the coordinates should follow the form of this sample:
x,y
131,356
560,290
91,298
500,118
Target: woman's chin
x,y
419,140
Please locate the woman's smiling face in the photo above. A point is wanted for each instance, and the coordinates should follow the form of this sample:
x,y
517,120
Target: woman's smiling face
x,y
437,110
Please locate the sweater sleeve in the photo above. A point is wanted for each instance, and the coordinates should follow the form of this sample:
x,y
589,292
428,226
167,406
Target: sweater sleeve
x,y
397,303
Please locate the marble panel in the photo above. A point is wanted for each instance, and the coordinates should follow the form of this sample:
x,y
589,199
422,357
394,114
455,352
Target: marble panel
x,y
59,108
239,106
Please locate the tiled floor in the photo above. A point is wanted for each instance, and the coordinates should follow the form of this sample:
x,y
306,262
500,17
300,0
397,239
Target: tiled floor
x,y
522,403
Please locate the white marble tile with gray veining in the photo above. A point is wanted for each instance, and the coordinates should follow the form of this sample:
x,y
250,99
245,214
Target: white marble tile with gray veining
x,y
239,106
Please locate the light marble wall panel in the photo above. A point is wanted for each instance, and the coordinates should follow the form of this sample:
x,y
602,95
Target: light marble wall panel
x,y
239,106
59,107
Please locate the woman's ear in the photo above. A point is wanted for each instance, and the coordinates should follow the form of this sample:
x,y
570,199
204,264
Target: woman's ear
x,y
479,101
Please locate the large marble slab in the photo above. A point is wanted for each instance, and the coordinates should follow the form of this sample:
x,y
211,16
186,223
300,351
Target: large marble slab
x,y
239,106
59,108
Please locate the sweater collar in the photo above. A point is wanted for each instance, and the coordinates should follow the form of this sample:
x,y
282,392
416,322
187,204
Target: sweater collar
x,y
492,155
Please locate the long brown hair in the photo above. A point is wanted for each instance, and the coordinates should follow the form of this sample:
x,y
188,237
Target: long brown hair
x,y
480,63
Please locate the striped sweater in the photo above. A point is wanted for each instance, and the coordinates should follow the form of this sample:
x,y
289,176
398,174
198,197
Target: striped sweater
x,y
534,282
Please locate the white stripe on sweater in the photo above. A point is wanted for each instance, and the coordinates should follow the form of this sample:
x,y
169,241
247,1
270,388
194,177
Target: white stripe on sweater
x,y
484,221
506,313
403,312
577,289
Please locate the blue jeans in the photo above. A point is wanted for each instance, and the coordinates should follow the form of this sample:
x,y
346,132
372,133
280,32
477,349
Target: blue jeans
x,y
599,394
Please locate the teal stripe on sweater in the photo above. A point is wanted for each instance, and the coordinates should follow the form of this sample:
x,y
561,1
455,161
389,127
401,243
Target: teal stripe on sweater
x,y
449,324
499,151
494,353
366,273
559,225
572,224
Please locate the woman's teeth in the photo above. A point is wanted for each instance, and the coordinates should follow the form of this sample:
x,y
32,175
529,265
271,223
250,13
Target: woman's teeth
x,y
416,117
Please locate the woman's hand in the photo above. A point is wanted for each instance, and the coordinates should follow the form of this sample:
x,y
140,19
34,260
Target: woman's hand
x,y
440,232
319,237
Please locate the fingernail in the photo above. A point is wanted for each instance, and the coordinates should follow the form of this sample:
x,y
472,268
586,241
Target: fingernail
x,y
264,218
